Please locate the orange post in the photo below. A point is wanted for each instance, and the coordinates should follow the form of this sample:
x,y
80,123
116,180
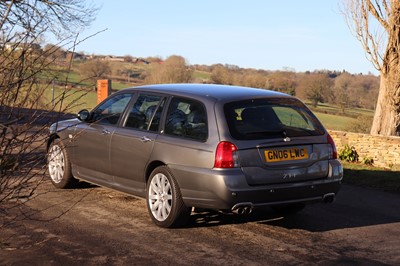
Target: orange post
x,y
103,89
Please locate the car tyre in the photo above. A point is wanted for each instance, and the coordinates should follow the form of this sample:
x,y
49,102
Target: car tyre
x,y
164,199
59,166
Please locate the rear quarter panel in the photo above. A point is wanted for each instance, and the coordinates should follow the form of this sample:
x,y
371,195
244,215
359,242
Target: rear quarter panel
x,y
192,155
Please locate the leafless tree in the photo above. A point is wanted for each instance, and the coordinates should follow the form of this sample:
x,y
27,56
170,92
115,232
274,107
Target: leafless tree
x,y
376,24
341,90
95,69
221,75
27,75
283,81
319,88
173,70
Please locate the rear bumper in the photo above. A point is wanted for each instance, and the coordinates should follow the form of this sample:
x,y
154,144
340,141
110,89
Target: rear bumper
x,y
309,192
227,189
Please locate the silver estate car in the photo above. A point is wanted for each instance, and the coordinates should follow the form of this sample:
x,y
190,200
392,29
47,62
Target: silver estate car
x,y
193,145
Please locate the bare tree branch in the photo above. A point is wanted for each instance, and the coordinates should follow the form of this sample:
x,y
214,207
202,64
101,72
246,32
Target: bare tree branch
x,y
26,74
378,15
382,47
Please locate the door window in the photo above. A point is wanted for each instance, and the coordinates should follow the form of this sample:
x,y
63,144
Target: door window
x,y
145,113
110,111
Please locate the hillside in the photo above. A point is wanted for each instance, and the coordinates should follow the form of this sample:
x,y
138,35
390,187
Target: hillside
x,y
341,100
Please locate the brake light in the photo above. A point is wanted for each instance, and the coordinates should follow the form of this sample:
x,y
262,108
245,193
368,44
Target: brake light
x,y
332,143
225,155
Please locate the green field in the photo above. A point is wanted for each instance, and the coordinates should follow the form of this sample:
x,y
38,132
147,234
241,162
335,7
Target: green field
x,y
331,109
335,122
82,95
201,75
332,117
77,99
70,100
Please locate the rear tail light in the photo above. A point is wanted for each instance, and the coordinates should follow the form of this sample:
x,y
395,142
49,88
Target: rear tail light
x,y
225,156
334,151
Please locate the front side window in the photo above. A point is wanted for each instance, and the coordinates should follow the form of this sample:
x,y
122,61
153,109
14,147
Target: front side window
x,y
110,111
186,118
271,118
145,113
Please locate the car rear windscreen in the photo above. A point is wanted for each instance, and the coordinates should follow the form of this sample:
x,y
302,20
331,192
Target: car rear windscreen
x,y
271,118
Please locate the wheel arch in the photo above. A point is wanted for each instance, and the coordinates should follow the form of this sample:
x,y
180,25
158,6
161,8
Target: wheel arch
x,y
52,137
153,165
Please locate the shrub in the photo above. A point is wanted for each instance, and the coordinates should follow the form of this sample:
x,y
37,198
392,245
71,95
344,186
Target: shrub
x,y
348,154
368,161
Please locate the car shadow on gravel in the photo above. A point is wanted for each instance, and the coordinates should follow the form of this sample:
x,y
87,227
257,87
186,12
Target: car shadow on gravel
x,y
84,185
354,207
210,218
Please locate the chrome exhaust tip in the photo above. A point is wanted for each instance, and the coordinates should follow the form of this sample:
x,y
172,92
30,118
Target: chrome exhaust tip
x,y
243,209
247,210
328,198
239,211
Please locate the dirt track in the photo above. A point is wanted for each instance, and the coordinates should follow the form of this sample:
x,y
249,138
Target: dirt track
x,y
94,226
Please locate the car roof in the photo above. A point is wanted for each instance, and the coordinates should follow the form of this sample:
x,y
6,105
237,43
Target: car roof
x,y
218,92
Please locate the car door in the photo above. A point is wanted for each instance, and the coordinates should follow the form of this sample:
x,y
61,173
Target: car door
x,y
91,149
132,144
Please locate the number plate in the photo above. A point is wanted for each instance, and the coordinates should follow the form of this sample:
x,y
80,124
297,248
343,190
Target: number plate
x,y
289,154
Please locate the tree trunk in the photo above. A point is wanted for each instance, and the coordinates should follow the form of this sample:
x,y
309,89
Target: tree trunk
x,y
387,116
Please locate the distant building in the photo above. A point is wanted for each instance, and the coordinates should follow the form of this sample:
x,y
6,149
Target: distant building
x,y
76,56
114,58
21,46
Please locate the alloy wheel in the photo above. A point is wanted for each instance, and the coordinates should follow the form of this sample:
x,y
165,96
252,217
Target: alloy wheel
x,y
160,197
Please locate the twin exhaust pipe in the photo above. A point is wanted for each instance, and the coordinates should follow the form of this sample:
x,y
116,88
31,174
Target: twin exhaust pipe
x,y
243,210
247,207
328,198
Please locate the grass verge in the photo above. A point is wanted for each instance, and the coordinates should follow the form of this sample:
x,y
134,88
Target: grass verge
x,y
370,176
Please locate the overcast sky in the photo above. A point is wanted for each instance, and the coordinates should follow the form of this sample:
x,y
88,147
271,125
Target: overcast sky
x,y
262,34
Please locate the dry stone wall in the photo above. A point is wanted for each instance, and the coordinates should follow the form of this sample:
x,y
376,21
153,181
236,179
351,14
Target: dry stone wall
x,y
385,151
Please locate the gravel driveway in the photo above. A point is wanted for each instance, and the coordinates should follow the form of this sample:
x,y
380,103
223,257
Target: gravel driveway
x,y
97,226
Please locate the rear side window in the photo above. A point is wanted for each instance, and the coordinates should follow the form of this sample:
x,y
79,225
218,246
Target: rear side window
x,y
186,118
271,118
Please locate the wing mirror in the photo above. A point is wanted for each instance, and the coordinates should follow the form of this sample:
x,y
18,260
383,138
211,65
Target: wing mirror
x,y
83,115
